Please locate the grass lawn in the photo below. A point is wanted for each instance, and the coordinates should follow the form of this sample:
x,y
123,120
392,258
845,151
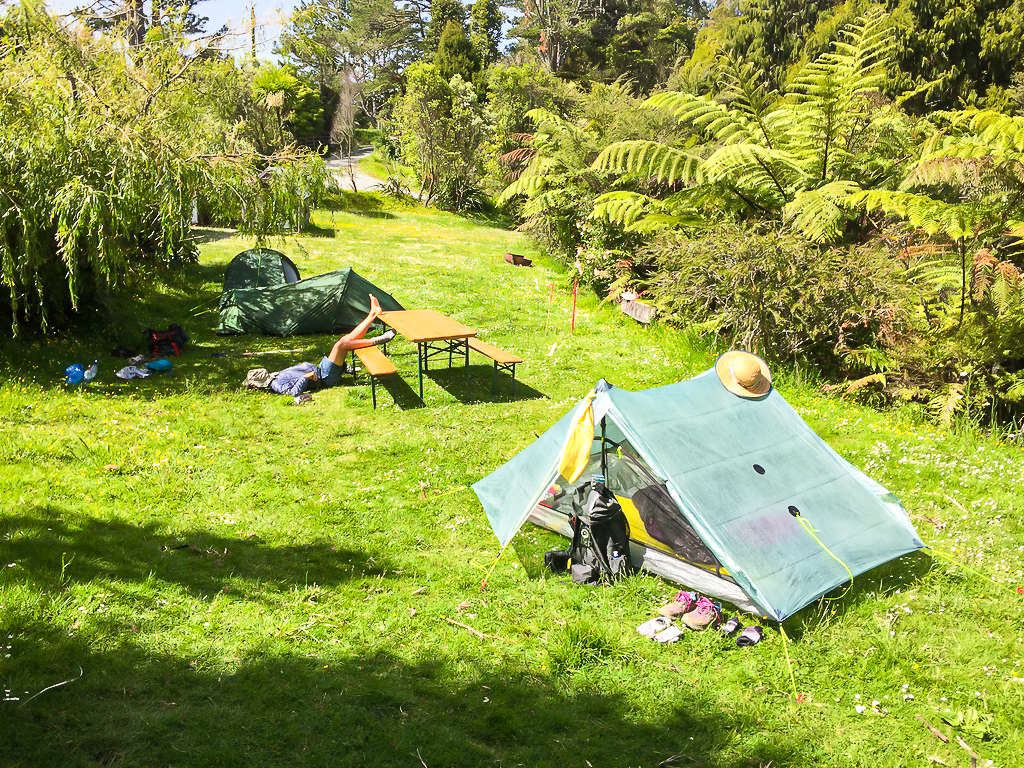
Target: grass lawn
x,y
216,577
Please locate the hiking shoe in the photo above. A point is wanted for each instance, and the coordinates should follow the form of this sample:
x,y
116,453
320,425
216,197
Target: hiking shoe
x,y
684,602
703,614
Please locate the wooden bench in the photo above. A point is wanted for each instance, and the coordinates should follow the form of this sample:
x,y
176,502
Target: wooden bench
x,y
375,363
503,361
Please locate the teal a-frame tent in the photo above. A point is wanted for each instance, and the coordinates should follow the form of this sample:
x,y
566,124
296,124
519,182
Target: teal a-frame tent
x,y
332,302
737,498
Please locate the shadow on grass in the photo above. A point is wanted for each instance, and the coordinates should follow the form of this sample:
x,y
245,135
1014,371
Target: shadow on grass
x,y
208,235
480,384
54,547
315,230
137,706
402,393
374,214
887,579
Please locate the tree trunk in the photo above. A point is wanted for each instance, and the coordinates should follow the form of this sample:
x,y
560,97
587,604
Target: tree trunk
x,y
136,23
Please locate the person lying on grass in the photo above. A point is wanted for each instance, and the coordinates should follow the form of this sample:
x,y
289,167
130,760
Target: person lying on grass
x,y
305,376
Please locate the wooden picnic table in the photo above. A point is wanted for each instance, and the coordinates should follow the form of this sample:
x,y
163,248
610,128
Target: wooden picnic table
x,y
433,333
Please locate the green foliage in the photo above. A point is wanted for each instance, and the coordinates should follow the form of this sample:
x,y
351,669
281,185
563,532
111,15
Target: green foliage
x,y
607,41
306,116
485,20
775,295
455,54
442,126
800,156
354,52
443,12
969,50
102,159
557,175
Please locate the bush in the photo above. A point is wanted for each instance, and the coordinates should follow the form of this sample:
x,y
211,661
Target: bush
x,y
781,297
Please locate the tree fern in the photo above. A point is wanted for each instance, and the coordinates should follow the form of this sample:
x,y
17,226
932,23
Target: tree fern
x,y
799,155
820,214
665,164
623,208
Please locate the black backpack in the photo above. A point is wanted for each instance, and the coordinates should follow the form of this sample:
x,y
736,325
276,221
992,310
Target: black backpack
x,y
166,343
600,536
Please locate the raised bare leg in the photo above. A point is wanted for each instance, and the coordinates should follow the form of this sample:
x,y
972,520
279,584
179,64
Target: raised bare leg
x,y
354,339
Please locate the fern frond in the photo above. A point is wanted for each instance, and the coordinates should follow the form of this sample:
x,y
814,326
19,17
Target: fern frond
x,y
938,274
547,120
754,166
622,208
820,214
706,115
531,181
868,357
932,216
1015,392
945,404
649,158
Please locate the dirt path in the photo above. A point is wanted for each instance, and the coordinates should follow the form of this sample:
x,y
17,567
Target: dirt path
x,y
346,170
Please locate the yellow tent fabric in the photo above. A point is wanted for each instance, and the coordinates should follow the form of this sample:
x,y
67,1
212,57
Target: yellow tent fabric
x,y
576,453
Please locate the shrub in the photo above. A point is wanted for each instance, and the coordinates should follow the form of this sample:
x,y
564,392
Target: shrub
x,y
776,295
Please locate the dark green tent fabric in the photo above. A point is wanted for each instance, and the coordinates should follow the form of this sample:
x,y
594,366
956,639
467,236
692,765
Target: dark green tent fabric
x,y
737,469
332,302
259,267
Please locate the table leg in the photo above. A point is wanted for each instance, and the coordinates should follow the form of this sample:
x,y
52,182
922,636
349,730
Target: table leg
x,y
421,353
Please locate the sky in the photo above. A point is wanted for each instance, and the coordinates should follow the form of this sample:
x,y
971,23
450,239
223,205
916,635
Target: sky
x,y
236,14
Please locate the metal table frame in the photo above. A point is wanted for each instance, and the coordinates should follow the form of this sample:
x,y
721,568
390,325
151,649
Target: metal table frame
x,y
434,334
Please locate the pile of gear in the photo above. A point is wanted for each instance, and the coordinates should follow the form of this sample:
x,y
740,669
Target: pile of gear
x,y
696,612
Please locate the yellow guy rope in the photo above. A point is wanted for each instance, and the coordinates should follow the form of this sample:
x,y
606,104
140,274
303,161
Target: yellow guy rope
x,y
811,532
785,649
954,561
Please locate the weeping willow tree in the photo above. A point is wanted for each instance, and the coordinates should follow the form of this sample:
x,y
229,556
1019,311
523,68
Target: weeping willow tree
x,y
105,152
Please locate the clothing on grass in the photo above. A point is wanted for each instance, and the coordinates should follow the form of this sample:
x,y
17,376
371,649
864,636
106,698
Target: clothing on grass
x,y
329,373
292,381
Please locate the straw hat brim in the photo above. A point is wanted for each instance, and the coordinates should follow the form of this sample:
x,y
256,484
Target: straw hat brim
x,y
723,369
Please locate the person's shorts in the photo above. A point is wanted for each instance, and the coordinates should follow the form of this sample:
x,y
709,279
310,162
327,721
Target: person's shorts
x,y
328,373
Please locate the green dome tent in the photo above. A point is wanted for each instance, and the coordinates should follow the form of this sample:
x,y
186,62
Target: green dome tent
x,y
259,267
737,498
332,302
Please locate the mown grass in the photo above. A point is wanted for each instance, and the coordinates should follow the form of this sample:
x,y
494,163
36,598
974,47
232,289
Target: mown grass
x,y
223,578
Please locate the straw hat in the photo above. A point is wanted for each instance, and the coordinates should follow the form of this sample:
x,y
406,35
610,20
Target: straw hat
x,y
744,374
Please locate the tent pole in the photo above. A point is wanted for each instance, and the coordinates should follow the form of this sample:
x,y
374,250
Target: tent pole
x,y
604,453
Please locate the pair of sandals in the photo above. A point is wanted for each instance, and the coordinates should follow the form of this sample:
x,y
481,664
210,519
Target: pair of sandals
x,y
745,636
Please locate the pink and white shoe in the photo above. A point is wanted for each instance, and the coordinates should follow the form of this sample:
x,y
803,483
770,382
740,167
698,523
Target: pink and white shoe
x,y
704,614
684,602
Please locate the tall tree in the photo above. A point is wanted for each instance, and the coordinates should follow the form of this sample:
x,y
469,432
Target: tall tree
x,y
456,54
485,20
359,47
442,12
131,16
607,39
